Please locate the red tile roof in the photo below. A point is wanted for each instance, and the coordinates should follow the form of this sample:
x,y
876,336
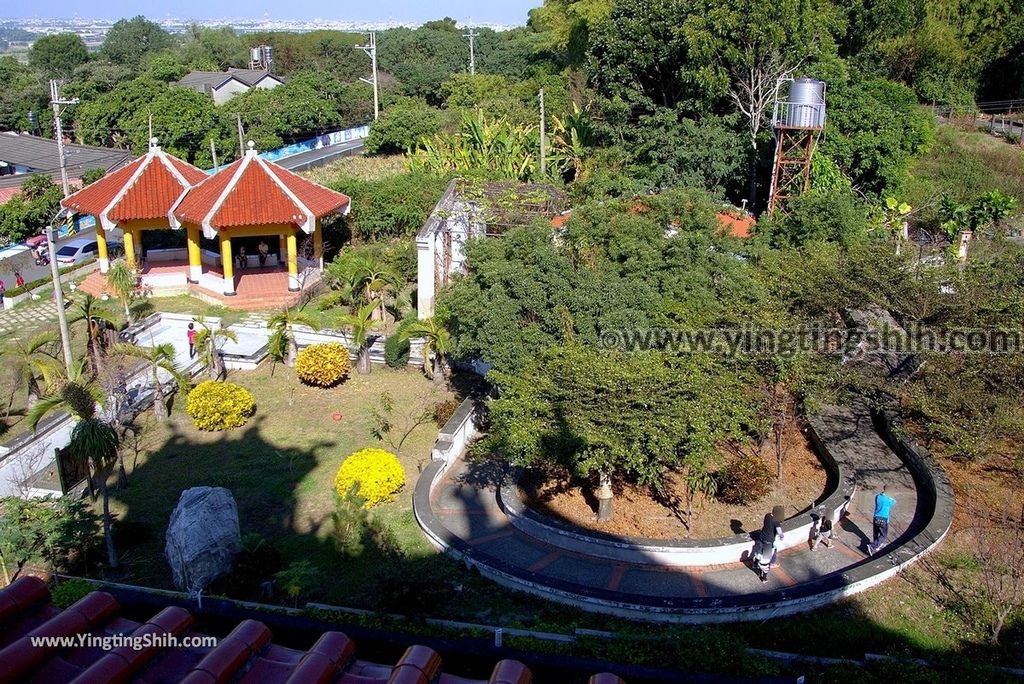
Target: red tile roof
x,y
737,226
144,189
253,192
247,655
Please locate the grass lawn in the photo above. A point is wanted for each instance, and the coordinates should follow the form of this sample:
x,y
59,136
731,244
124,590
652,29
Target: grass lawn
x,y
280,467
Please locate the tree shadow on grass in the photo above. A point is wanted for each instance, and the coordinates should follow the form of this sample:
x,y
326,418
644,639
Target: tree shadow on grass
x,y
271,487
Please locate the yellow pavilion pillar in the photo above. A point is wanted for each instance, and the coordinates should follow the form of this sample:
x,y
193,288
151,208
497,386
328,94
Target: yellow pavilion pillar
x,y
318,246
293,261
101,247
129,246
227,264
195,257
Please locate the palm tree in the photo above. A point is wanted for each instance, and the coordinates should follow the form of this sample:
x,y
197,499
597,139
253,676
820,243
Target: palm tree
x,y
209,342
437,341
362,324
95,318
123,279
95,442
283,323
69,392
159,357
32,360
371,281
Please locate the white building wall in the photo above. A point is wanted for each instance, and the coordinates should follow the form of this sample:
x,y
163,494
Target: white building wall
x,y
228,90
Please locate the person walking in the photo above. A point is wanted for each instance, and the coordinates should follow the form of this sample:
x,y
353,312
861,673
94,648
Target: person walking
x,y
883,507
767,543
824,533
18,280
3,291
191,340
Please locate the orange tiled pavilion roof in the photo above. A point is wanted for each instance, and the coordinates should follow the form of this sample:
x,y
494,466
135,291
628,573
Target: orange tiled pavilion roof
x,y
146,188
253,192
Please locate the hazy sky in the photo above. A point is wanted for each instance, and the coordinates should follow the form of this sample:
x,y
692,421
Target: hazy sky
x,y
483,11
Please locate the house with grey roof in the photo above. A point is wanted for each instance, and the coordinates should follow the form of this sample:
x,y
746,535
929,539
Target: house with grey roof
x,y
224,85
22,154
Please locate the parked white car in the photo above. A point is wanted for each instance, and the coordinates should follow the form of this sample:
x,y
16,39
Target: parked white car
x,y
78,250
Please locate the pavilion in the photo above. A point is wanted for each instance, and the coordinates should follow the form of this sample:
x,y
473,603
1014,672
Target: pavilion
x,y
252,205
134,198
253,199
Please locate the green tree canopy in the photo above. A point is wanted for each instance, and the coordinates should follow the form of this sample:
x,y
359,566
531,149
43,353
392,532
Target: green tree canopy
x,y
128,40
58,54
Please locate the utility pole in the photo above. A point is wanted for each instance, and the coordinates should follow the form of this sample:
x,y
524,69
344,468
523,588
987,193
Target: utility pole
x,y
371,51
543,141
58,293
213,153
241,135
472,54
150,139
56,102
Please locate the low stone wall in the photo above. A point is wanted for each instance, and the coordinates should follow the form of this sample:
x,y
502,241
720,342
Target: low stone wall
x,y
683,552
452,441
11,301
735,608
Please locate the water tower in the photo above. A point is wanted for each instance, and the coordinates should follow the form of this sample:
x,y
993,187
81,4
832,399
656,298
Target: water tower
x,y
261,57
798,119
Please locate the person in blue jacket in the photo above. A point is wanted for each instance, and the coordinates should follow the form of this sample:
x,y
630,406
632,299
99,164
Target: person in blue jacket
x,y
883,507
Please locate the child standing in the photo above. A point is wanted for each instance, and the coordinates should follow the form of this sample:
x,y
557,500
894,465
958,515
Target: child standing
x,y
191,340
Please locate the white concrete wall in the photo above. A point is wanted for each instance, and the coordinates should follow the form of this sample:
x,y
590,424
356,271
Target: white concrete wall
x,y
228,90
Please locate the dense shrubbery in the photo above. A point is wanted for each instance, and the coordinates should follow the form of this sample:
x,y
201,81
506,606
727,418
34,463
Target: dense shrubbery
x,y
375,476
217,405
444,410
323,365
396,346
70,591
745,480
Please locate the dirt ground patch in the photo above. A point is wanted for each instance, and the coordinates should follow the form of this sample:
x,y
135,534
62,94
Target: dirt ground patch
x,y
639,513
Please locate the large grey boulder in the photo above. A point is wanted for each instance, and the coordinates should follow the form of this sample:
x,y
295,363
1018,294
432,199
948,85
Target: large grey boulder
x,y
202,537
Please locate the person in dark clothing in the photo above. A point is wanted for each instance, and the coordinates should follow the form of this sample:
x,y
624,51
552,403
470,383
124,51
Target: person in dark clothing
x,y
767,542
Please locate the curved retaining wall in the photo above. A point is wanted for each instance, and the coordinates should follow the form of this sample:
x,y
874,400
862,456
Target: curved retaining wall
x,y
840,489
935,488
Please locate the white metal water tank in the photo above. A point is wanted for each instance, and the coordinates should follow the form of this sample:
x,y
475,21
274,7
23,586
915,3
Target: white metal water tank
x,y
255,54
268,55
805,106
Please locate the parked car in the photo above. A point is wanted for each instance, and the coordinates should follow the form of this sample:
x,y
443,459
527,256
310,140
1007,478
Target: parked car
x,y
80,249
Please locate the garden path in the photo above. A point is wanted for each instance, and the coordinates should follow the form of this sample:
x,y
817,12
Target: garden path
x,y
465,501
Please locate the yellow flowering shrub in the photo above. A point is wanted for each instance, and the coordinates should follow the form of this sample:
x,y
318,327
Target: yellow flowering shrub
x,y
322,365
216,405
377,472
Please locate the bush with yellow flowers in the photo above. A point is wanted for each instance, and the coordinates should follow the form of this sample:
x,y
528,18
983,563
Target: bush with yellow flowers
x,y
376,474
217,405
323,365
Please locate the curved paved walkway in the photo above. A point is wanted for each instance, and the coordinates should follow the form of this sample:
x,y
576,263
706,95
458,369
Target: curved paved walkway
x,y
465,516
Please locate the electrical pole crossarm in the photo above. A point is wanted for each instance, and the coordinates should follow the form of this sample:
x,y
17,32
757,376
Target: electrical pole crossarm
x,y
472,35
